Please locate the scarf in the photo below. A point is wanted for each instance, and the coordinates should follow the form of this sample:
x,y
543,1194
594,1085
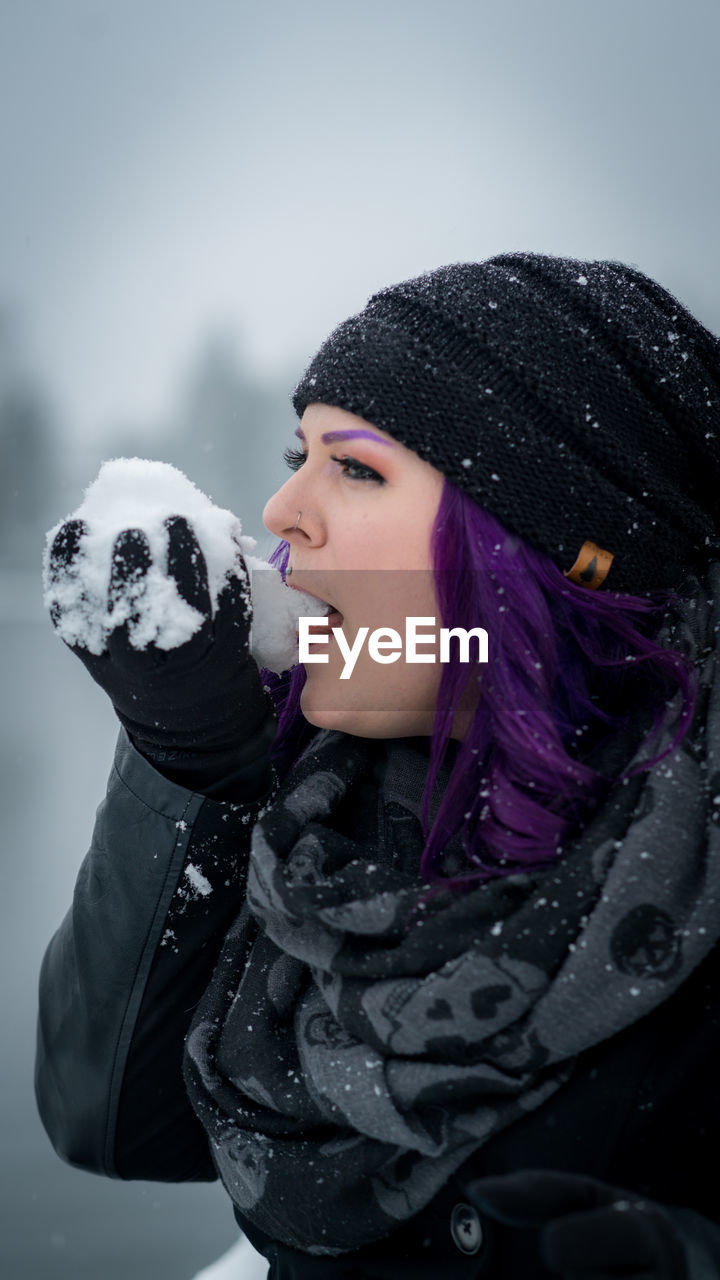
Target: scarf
x,y
359,1041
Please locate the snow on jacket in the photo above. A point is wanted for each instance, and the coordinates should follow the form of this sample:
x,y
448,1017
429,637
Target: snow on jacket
x,y
162,883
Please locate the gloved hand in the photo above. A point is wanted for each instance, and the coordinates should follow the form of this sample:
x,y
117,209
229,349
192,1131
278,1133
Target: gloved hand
x,y
588,1230
198,711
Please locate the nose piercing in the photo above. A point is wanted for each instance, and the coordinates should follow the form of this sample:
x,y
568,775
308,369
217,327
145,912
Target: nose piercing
x,y
297,521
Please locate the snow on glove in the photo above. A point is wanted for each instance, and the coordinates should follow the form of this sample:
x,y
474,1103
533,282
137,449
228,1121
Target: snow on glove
x,y
588,1230
203,694
162,627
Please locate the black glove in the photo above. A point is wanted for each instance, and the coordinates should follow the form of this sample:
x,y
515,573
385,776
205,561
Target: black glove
x,y
198,711
588,1230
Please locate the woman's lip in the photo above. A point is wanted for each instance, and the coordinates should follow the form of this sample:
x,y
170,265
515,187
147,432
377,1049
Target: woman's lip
x,y
333,619
331,611
320,627
295,586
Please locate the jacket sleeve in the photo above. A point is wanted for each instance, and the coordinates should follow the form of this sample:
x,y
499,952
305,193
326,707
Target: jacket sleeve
x,y
162,881
701,1240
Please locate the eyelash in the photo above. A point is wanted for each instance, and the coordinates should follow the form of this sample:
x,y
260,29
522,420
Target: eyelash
x,y
295,459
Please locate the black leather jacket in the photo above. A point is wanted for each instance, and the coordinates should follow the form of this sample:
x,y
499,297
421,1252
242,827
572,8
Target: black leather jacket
x,y
121,978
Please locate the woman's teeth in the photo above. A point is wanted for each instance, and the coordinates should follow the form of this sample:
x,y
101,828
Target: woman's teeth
x,y
321,623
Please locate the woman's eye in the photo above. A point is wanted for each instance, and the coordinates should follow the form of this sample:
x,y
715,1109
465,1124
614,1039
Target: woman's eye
x,y
293,458
355,470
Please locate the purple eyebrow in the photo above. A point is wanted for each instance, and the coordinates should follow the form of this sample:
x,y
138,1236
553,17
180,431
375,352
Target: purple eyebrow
x,y
330,437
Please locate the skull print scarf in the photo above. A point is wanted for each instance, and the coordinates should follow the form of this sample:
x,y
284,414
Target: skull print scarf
x,y
359,1040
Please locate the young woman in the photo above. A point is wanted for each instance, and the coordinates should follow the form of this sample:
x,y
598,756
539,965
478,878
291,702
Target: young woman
x,y
437,958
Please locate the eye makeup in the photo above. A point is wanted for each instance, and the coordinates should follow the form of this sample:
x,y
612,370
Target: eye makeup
x,y
359,433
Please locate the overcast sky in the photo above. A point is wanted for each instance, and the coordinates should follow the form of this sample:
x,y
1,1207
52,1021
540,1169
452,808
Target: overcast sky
x,y
174,166
256,168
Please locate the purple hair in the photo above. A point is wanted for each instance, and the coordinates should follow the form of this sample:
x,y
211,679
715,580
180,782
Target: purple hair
x,y
293,731
568,670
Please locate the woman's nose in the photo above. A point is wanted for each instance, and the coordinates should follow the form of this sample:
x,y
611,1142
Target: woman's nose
x,y
285,517
275,513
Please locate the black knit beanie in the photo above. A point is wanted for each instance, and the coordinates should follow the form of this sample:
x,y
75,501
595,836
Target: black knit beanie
x,y
578,402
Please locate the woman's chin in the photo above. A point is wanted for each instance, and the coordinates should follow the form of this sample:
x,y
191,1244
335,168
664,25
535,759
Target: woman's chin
x,y
335,712
331,714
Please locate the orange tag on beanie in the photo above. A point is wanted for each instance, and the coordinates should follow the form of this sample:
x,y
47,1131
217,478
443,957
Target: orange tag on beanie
x,y
591,567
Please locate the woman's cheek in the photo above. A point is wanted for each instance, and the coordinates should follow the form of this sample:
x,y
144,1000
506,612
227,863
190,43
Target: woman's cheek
x,y
375,699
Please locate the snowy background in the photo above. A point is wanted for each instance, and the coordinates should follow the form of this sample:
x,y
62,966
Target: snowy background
x,y
193,193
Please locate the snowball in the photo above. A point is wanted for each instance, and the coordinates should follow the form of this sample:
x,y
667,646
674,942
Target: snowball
x,y
134,493
276,609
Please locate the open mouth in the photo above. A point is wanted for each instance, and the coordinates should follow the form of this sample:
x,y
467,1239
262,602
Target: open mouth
x,y
333,617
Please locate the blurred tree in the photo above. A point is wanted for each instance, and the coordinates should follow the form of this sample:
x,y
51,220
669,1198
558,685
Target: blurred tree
x,y
227,434
28,453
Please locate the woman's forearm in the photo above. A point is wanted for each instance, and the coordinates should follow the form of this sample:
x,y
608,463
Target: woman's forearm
x,y
162,880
